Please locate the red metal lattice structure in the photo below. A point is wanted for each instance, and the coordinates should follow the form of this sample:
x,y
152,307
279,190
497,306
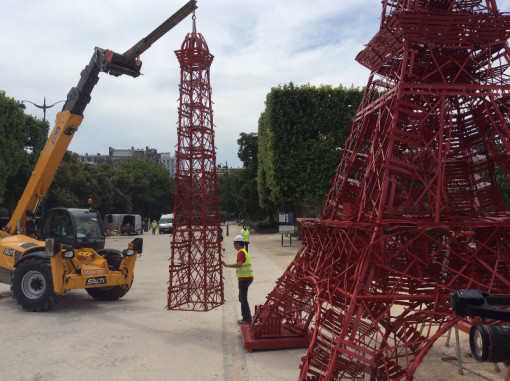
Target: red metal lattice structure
x,y
196,282
415,211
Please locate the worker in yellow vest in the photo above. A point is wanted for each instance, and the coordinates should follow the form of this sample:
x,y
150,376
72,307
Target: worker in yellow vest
x,y
244,273
246,236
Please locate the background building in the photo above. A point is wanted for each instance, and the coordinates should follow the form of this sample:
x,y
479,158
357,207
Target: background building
x,y
164,158
116,154
169,162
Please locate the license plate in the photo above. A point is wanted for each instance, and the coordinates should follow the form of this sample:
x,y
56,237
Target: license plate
x,y
96,280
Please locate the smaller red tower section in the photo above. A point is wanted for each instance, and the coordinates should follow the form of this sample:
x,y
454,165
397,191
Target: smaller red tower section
x,y
196,282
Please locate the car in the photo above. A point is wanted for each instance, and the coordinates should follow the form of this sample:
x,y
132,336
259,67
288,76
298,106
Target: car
x,y
165,223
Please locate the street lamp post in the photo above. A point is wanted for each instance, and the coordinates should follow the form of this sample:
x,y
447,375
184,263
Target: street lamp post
x,y
44,106
228,197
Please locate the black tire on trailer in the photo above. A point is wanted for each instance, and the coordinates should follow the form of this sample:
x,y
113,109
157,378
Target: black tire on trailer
x,y
32,285
114,258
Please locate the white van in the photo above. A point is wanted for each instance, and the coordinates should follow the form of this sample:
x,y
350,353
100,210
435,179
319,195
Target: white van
x,y
165,223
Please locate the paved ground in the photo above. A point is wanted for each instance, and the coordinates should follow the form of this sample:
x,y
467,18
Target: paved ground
x,y
136,338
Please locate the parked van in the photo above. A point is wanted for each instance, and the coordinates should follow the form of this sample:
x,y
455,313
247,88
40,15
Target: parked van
x,y
131,224
165,223
112,223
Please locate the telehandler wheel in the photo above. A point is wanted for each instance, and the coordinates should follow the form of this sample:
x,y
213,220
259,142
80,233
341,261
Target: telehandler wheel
x,y
112,293
108,294
32,285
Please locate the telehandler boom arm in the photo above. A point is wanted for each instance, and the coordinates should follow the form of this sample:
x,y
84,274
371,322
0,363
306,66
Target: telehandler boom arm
x,y
69,119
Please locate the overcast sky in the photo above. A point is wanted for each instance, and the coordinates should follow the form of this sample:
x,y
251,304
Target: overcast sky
x,y
257,44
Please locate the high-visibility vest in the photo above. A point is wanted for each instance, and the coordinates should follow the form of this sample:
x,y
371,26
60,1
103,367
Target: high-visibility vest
x,y
246,235
245,271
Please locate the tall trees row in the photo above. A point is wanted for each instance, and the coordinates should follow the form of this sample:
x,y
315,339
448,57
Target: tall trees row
x,y
300,136
287,165
133,186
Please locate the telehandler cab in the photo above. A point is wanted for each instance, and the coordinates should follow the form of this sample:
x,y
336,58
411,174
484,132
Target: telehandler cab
x,y
67,250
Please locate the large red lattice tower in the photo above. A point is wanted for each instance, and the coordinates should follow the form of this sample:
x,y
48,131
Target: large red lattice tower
x,y
415,211
196,281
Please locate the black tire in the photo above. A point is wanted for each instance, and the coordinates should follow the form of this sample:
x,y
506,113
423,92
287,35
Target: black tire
x,y
112,293
32,285
113,257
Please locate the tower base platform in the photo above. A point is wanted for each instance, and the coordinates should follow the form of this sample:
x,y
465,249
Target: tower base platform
x,y
281,342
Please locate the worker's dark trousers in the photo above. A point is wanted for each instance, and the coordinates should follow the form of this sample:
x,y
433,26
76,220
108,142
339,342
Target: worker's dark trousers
x,y
243,298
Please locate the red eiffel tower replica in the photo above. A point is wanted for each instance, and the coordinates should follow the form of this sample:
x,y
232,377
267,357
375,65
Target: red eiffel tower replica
x,y
196,281
415,211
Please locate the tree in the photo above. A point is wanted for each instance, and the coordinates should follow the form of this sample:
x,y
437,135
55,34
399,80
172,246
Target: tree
x,y
152,189
248,151
228,191
112,183
503,183
264,163
136,185
248,199
301,132
22,138
73,185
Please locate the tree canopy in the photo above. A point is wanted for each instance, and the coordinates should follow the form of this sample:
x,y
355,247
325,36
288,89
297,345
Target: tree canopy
x,y
22,137
135,185
152,187
301,133
248,199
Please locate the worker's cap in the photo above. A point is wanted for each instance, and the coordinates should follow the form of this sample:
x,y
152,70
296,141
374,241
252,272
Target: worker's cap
x,y
238,238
